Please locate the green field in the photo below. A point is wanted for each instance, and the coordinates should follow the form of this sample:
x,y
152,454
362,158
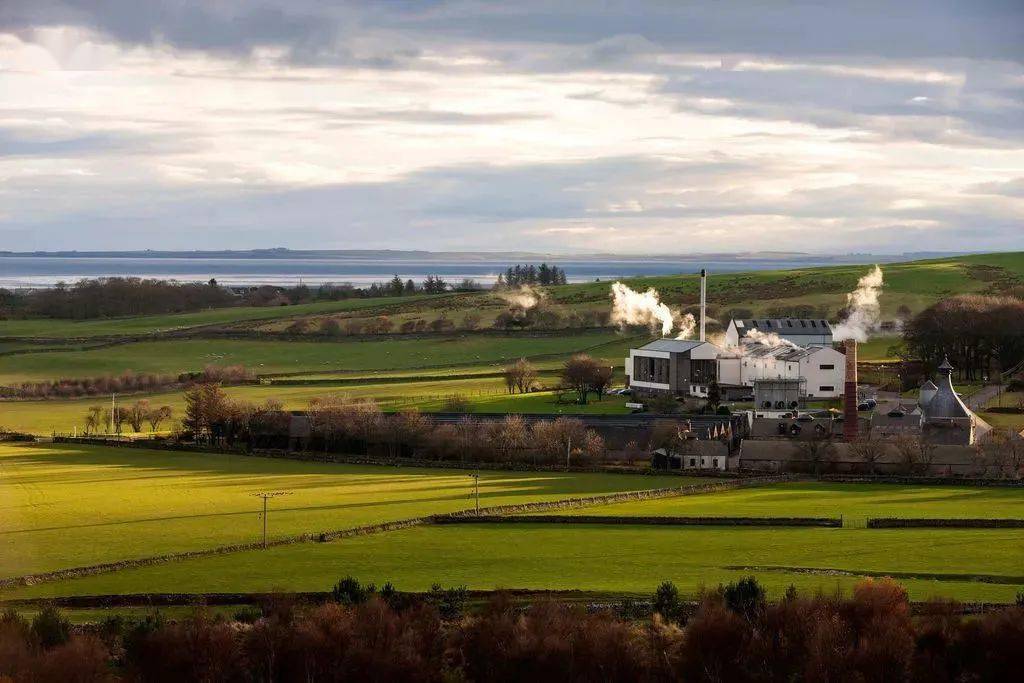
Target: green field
x,y
151,324
77,505
852,501
68,506
264,357
614,559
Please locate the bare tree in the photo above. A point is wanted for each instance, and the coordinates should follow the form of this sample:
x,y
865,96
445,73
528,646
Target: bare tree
x,y
580,373
916,453
157,415
93,419
136,413
1002,452
818,451
869,450
520,376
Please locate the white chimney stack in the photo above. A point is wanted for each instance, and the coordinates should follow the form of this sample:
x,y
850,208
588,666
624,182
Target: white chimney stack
x,y
703,302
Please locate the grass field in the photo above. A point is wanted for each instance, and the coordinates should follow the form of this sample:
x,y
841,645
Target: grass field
x,y
619,559
178,356
69,506
852,501
149,324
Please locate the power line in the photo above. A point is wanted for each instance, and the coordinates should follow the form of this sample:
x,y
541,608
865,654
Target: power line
x,y
267,495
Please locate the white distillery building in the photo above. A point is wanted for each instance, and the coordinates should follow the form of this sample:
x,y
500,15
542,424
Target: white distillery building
x,y
822,368
799,331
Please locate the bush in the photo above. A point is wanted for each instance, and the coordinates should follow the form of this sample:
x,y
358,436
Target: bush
x,y
448,602
745,597
50,627
666,602
349,591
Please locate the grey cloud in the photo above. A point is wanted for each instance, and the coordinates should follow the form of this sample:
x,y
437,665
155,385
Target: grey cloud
x,y
483,206
986,29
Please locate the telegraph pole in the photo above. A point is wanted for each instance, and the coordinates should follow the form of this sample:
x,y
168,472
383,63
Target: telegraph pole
x,y
267,495
476,490
113,409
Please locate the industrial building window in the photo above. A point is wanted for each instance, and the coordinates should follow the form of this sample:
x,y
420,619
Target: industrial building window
x,y
826,388
714,462
827,366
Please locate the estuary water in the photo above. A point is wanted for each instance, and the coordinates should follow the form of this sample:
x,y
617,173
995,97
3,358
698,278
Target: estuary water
x,y
47,270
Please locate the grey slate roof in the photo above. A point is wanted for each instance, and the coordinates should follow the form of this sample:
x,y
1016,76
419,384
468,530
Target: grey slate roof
x,y
672,345
785,326
946,403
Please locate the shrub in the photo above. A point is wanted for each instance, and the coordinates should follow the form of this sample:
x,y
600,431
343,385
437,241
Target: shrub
x,y
745,597
50,627
666,601
349,591
448,602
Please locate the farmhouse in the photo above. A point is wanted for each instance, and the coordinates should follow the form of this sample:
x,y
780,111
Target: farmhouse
x,y
799,331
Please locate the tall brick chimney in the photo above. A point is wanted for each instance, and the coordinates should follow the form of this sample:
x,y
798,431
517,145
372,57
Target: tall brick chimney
x,y
850,424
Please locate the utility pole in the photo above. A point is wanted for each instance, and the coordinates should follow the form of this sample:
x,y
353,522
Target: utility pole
x,y
267,495
113,409
476,490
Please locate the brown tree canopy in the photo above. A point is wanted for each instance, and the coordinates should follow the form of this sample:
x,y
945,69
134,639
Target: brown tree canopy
x,y
980,334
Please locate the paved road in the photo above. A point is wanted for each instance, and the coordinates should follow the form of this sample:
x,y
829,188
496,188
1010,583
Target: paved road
x,y
979,398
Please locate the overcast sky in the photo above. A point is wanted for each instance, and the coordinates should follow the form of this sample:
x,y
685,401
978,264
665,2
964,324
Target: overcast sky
x,y
631,127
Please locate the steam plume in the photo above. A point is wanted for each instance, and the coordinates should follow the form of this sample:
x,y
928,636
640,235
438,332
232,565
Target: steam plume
x,y
766,339
524,296
686,324
863,311
630,307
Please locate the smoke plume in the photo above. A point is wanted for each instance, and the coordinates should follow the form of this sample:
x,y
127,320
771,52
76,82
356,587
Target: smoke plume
x,y
863,311
766,339
524,296
630,307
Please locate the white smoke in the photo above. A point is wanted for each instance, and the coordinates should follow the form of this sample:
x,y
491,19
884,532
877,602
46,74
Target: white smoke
x,y
630,307
863,310
766,339
524,296
686,324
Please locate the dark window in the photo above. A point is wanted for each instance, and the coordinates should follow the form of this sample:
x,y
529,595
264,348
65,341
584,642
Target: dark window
x,y
789,323
693,463
827,366
803,323
714,462
826,388
812,324
767,323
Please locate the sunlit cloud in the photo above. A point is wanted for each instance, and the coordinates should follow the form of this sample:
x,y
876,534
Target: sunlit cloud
x,y
529,125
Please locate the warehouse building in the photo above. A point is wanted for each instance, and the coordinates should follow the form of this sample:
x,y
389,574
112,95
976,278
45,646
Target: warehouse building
x,y
799,331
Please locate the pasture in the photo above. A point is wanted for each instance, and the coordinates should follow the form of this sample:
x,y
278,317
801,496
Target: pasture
x,y
604,559
281,357
855,502
73,505
154,324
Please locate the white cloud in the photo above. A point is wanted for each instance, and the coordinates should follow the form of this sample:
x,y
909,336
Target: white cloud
x,y
466,126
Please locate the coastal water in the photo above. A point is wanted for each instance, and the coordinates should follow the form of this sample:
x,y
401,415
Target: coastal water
x,y
45,271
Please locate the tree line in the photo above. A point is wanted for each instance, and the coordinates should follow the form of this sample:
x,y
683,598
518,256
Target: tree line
x,y
361,633
359,426
530,274
125,383
980,334
129,296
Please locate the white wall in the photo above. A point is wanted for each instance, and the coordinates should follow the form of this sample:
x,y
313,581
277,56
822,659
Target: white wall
x,y
810,368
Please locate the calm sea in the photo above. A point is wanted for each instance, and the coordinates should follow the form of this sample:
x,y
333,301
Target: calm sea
x,y
43,271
